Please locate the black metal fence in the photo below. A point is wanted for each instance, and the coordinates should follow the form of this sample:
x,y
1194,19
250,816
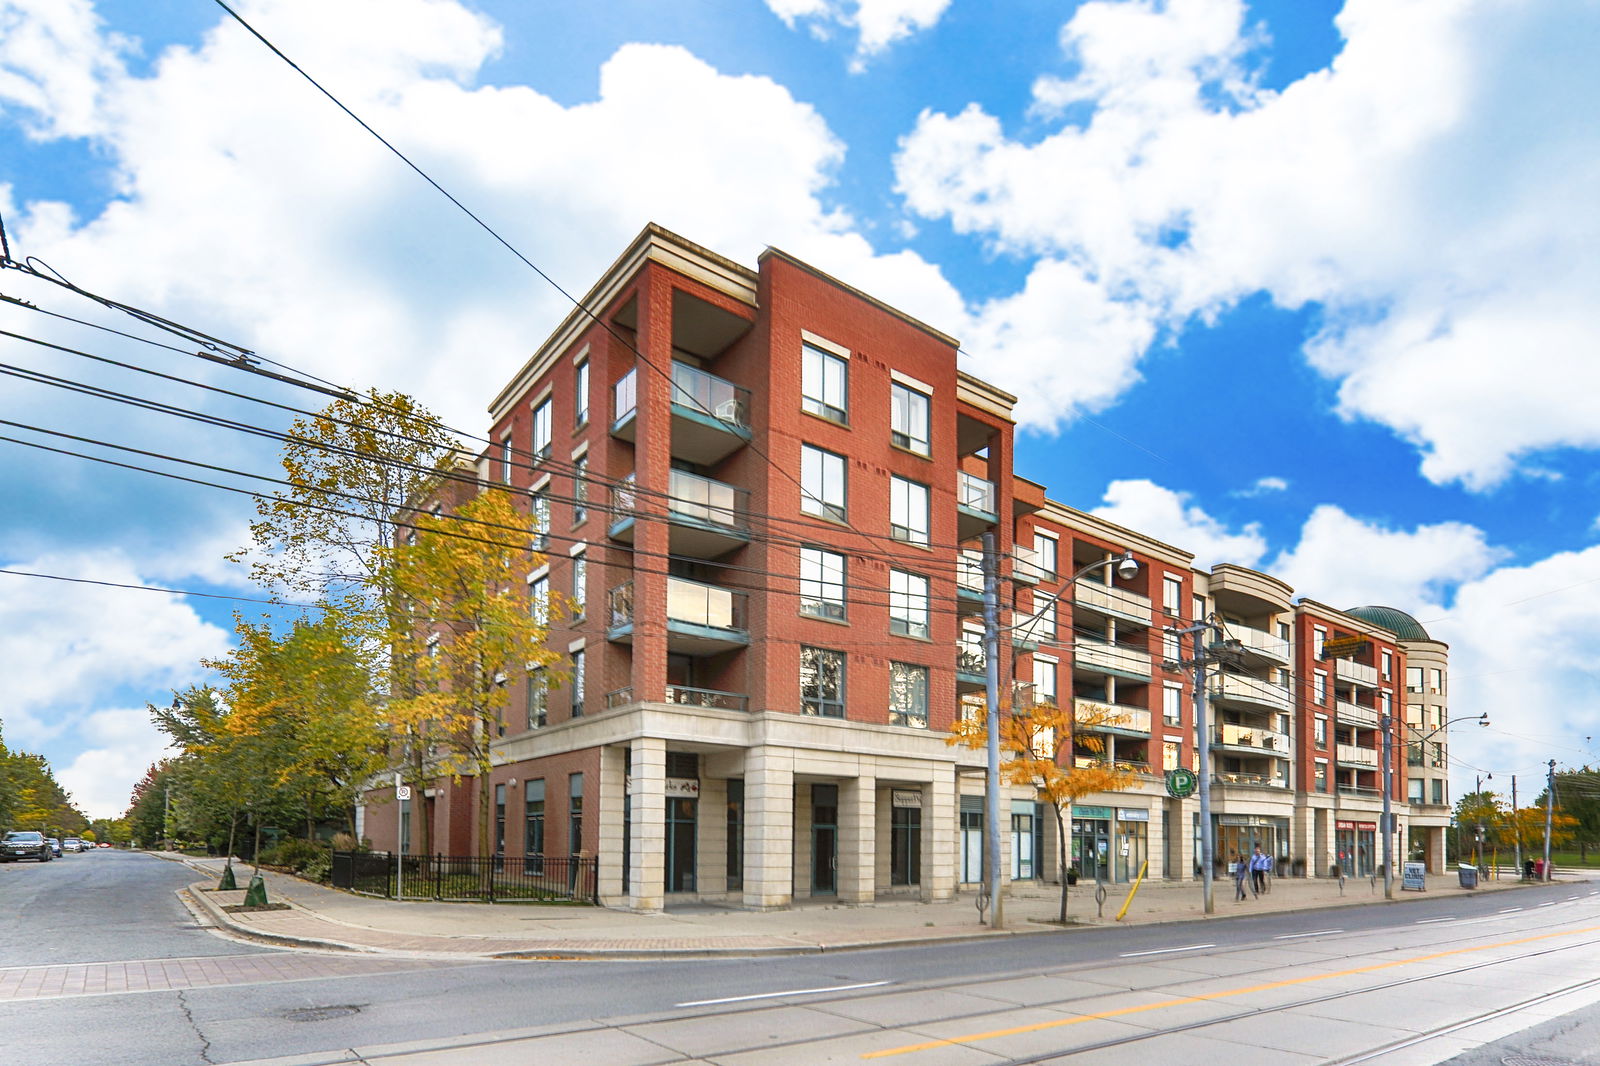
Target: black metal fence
x,y
468,878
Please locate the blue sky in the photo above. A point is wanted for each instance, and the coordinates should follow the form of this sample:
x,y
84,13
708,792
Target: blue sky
x,y
1303,285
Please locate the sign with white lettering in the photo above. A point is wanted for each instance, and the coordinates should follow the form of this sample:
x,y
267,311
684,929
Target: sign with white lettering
x,y
1414,876
905,797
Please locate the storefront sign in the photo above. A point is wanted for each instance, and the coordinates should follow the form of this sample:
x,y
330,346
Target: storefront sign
x,y
1091,812
1414,876
1344,825
1344,647
1181,783
1132,814
682,788
905,797
1370,827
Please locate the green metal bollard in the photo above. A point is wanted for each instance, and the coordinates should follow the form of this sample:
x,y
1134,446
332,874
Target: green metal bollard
x,y
256,894
227,884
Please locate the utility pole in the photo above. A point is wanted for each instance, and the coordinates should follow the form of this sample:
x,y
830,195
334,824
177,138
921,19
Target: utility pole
x,y
1549,810
1203,737
991,686
1388,815
1516,825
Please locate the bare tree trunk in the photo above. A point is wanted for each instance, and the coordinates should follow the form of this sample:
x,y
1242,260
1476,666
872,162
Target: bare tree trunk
x,y
1061,835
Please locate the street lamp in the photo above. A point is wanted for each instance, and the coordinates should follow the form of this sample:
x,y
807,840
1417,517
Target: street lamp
x,y
1388,787
1127,568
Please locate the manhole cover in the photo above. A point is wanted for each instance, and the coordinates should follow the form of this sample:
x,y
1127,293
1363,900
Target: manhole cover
x,y
1536,1060
318,1014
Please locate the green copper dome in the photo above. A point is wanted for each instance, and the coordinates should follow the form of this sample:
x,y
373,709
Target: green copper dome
x,y
1399,623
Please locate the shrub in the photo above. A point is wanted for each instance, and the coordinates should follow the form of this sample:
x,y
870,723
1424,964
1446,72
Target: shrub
x,y
344,842
296,855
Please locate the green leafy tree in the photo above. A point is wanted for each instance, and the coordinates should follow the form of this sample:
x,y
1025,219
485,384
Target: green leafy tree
x,y
1477,812
469,629
1578,795
1053,750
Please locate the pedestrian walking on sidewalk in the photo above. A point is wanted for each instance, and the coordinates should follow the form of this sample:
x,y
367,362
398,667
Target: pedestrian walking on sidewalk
x,y
1241,870
1259,865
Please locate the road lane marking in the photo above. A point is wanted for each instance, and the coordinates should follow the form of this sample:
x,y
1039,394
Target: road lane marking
x,y
1164,951
1552,903
1297,936
1182,1001
1425,921
780,995
1571,898
1509,910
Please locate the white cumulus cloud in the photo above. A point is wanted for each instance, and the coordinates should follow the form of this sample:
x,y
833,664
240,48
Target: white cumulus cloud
x,y
1168,516
877,23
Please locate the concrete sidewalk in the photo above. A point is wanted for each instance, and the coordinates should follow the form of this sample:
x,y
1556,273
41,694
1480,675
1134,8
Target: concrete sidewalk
x,y
322,917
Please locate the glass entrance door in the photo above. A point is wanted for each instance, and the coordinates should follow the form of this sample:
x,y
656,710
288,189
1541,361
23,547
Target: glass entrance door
x,y
824,839
681,819
1022,852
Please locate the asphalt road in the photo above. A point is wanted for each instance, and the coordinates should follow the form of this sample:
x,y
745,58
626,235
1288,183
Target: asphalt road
x,y
240,1002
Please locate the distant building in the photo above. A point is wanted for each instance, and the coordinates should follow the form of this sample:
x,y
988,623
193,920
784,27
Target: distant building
x,y
764,489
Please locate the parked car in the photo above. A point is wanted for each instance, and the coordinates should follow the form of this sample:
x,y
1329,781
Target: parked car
x,y
72,844
22,844
55,847
103,844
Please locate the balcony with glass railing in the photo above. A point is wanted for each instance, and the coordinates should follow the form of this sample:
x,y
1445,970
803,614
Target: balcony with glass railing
x,y
1249,780
1252,693
1254,740
701,619
1258,646
971,662
1027,566
1355,673
1112,718
716,699
1355,755
1114,659
705,518
1111,601
969,580
1349,713
975,505
710,416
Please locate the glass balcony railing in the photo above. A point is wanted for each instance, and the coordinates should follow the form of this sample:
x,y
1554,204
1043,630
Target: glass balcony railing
x,y
690,604
969,571
708,396
625,397
970,658
974,493
701,499
1353,753
707,697
1240,736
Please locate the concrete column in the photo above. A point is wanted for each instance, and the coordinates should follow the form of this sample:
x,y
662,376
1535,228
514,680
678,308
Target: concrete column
x,y
857,843
613,893
648,824
941,835
1435,857
711,835
769,846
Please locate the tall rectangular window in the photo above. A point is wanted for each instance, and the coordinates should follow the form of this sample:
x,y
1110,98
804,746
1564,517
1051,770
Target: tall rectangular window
x,y
574,814
905,846
1438,792
1044,681
539,520
499,822
505,459
1320,782
533,819
1413,679
1199,609
1046,548
578,682
1043,626
580,394
908,604
822,583
909,419
541,431
908,510
580,585
538,705
580,489
1318,637
822,682
1386,670
1319,689
539,599
825,383
1172,703
1171,594
1319,733
908,695
822,483
1436,682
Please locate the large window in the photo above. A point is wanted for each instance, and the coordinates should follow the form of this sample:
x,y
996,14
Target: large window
x,y
538,704
539,520
580,489
1320,782
822,483
1319,689
574,814
909,419
1044,681
533,823
1171,594
1413,679
908,510
580,585
825,384
905,846
505,459
499,823
908,604
1046,548
822,682
1042,627
539,599
822,583
908,695
1172,703
580,394
1319,731
541,431
579,661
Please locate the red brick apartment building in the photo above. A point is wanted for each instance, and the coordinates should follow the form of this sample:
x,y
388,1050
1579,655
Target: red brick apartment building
x,y
764,490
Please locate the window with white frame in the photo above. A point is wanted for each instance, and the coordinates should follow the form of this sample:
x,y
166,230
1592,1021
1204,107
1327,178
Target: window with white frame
x,y
1043,625
1044,681
822,483
909,419
541,430
1319,731
505,459
539,599
1320,780
1171,595
1319,688
1413,679
1171,646
539,520
1436,682
538,709
908,510
580,585
1386,669
1172,703
1318,637
580,394
822,581
1046,548
908,604
825,383
908,695
579,681
1170,754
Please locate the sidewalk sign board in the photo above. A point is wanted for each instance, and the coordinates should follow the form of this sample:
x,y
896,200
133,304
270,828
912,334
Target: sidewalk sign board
x,y
1414,876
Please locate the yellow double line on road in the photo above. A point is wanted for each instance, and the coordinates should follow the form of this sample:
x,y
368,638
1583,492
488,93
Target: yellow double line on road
x,y
1122,1012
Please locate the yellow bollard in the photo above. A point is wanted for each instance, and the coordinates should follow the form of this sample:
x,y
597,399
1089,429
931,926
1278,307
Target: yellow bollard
x,y
1136,882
